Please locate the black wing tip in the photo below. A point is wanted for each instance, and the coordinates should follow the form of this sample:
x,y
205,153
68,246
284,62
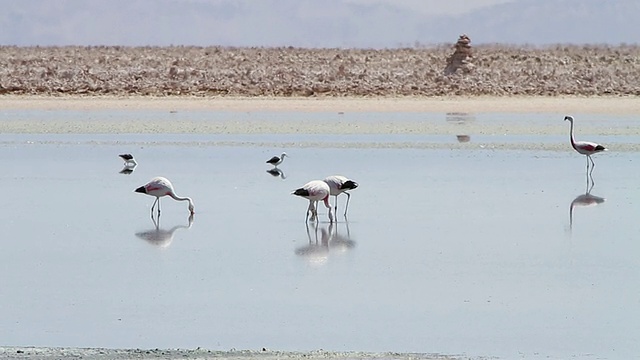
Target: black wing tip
x,y
126,156
349,185
301,192
141,189
601,148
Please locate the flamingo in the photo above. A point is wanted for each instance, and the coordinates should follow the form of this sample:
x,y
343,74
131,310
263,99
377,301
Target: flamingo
x,y
275,161
315,191
128,159
584,147
160,187
339,184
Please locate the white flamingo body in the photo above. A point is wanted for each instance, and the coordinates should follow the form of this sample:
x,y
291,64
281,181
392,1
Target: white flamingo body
x,y
277,160
159,187
339,184
315,191
586,148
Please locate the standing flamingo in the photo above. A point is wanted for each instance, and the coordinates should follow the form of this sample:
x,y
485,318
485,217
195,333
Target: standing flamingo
x,y
339,184
275,161
160,187
584,147
315,191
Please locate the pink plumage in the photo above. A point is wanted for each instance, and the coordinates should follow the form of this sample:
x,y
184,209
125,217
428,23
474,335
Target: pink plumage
x,y
315,191
586,148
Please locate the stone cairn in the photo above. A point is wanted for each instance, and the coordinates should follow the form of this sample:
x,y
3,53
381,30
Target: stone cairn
x,y
461,58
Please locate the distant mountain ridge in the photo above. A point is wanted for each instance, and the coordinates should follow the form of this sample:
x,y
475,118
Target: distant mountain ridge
x,y
310,23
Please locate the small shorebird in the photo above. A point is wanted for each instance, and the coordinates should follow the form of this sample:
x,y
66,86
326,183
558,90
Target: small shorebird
x,y
160,187
315,191
128,159
584,147
275,161
339,184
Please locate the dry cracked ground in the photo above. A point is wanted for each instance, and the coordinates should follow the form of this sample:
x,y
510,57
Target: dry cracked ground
x,y
286,72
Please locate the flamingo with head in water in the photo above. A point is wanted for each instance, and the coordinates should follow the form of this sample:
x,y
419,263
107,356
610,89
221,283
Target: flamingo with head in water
x,y
315,191
339,184
160,187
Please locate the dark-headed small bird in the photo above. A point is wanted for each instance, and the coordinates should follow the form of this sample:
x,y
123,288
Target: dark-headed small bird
x,y
128,159
315,191
275,161
584,147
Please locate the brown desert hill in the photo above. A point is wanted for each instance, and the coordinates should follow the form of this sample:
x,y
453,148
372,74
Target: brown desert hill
x,y
498,70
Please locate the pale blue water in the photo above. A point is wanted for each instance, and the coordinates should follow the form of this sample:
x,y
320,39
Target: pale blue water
x,y
446,251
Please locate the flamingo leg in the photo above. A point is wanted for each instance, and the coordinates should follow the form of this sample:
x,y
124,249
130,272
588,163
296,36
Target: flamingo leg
x,y
311,209
587,162
328,206
154,205
336,204
347,206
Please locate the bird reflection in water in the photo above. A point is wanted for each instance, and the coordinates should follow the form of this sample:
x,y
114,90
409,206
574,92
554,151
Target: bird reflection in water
x,y
463,138
128,169
277,172
460,118
160,237
323,240
584,200
341,242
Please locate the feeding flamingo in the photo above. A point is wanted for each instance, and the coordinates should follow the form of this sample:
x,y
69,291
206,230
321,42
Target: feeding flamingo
x,y
160,187
128,159
275,161
339,184
315,191
584,147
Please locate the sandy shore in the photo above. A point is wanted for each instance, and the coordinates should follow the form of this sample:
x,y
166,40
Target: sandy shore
x,y
562,105
43,353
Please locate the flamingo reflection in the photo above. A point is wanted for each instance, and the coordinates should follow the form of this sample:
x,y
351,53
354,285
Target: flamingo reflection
x,y
317,251
584,200
341,242
325,239
277,172
160,237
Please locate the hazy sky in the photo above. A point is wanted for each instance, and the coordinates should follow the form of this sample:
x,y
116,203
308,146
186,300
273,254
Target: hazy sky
x,y
437,7
316,23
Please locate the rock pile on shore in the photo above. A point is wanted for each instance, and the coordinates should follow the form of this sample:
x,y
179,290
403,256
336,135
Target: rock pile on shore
x,y
204,71
461,58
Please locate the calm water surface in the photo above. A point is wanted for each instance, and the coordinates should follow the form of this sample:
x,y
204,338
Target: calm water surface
x,y
476,252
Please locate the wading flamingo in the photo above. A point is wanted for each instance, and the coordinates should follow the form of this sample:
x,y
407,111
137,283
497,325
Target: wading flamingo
x,y
160,187
584,147
315,191
339,184
275,161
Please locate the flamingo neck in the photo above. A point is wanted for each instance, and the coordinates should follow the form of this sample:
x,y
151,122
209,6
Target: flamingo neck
x,y
573,141
178,198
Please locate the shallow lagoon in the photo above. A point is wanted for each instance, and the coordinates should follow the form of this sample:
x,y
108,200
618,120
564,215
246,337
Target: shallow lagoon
x,y
456,251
